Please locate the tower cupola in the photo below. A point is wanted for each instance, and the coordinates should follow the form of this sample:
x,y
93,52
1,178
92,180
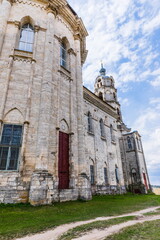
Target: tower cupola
x,y
104,88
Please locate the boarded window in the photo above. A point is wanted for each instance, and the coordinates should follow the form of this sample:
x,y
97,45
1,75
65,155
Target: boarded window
x,y
105,175
10,146
92,174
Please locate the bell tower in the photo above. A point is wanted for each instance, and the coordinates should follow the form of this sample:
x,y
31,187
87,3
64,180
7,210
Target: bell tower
x,y
104,88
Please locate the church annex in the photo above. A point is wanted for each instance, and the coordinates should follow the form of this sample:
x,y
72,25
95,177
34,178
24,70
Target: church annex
x,y
58,140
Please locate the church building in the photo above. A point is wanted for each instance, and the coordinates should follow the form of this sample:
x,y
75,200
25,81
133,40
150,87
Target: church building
x,y
58,140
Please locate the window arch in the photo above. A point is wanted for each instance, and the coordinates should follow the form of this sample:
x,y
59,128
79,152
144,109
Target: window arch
x,y
90,124
102,128
26,38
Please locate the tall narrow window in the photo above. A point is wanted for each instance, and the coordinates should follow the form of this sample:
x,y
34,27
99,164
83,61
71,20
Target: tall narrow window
x,y
90,125
102,128
117,174
105,175
92,178
129,143
112,134
26,38
10,146
63,55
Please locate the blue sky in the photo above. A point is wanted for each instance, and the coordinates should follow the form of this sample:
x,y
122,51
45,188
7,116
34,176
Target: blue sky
x,y
125,35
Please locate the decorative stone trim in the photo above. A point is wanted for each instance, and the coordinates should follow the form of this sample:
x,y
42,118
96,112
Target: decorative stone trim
x,y
71,51
103,138
65,73
113,142
90,133
23,56
32,3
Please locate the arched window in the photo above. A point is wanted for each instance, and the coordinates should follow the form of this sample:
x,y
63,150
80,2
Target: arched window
x,y
26,38
117,174
92,175
63,54
102,128
129,143
90,124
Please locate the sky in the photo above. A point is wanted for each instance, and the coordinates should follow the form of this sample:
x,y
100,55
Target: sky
x,y
125,36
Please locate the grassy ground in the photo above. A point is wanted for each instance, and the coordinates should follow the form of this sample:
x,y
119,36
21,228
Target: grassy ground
x,y
147,231
21,219
81,230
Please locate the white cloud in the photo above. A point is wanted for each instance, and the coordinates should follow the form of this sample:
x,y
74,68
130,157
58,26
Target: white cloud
x,y
156,82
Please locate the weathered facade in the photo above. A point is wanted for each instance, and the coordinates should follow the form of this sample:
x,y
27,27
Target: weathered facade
x,y
59,141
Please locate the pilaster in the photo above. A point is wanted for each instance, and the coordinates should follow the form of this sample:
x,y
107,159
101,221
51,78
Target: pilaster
x,y
4,15
46,97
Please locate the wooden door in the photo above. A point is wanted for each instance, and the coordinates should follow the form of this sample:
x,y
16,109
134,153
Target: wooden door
x,y
63,164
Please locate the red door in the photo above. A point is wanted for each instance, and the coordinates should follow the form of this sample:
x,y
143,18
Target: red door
x,y
63,164
145,180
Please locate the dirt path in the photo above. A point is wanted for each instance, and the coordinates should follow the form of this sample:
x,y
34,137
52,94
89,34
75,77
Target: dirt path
x,y
102,234
58,231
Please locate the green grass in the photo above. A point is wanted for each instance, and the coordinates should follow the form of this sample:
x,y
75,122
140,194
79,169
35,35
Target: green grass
x,y
21,219
147,231
81,230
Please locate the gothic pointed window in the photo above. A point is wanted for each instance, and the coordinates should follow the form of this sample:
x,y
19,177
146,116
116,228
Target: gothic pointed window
x,y
10,146
102,128
90,124
26,38
63,55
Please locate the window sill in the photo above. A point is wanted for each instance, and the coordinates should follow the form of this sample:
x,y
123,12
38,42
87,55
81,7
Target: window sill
x,y
103,138
23,55
65,72
90,133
